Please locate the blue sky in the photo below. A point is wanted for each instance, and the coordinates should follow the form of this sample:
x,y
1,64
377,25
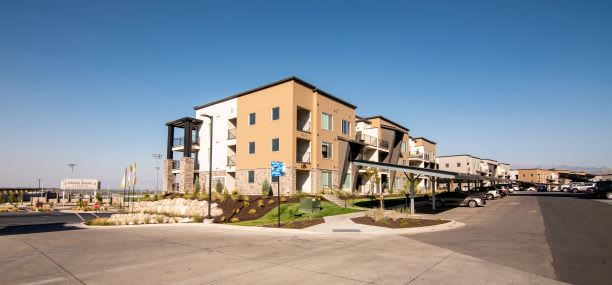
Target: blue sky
x,y
93,82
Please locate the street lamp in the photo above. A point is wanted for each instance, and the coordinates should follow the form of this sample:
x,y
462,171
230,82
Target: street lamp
x,y
71,165
210,165
39,188
157,158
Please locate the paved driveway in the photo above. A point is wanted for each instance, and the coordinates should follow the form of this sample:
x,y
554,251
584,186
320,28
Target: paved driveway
x,y
198,254
550,234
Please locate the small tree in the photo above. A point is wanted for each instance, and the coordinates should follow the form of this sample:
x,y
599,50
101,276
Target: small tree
x,y
372,176
2,197
265,188
219,187
11,197
196,188
20,197
99,197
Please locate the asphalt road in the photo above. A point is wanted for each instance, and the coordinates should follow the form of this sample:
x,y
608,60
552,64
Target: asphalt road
x,y
38,222
579,233
556,235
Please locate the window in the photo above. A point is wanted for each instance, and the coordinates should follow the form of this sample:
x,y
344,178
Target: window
x,y
326,150
447,165
458,164
326,121
275,144
403,146
251,176
398,183
326,179
252,119
346,128
275,113
347,181
251,147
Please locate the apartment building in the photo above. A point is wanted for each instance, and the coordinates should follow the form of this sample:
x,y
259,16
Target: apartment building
x,y
382,140
468,164
538,176
289,120
422,155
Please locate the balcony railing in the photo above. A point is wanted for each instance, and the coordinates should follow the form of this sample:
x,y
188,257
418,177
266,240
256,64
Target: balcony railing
x,y
231,160
303,125
180,141
303,157
176,165
231,134
369,140
384,144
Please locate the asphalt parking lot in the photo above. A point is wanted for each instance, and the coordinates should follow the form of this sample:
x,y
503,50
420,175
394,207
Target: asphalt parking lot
x,y
557,235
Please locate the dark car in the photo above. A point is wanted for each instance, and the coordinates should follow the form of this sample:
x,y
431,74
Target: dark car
x,y
600,190
541,188
459,199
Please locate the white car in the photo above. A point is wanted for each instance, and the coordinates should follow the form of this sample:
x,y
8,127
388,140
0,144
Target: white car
x,y
533,189
491,192
576,187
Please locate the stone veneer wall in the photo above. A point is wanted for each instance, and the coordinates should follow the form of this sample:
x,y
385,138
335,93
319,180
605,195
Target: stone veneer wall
x,y
287,182
204,179
168,177
187,175
316,178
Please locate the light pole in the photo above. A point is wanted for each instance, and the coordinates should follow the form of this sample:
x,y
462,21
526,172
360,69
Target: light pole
x,y
39,188
71,165
157,158
210,165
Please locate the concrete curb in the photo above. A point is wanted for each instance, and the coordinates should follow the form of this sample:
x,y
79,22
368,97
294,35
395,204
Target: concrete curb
x,y
376,230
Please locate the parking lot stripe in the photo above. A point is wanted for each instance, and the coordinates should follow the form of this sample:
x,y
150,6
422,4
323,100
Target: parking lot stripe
x,y
79,217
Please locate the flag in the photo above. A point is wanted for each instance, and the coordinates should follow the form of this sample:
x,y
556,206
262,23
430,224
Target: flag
x,y
134,182
123,180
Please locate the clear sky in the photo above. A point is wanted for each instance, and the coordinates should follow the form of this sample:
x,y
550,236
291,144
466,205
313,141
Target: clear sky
x,y
93,82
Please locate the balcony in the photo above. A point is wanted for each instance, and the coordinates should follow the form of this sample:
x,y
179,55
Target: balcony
x,y
368,140
231,160
231,134
176,165
180,141
384,144
303,157
417,154
303,126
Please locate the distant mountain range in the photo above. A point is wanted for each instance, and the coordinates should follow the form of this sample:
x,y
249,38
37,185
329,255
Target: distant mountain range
x,y
591,170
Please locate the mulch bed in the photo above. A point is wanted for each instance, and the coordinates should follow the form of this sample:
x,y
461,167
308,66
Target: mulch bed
x,y
399,223
302,224
230,205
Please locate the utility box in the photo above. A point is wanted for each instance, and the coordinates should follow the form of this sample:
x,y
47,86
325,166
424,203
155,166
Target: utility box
x,y
310,205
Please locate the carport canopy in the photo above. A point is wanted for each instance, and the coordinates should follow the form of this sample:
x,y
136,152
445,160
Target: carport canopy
x,y
434,174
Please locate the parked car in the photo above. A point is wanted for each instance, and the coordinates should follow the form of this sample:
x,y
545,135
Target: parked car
x,y
565,187
582,187
459,199
532,189
541,188
503,190
601,189
508,187
516,187
489,192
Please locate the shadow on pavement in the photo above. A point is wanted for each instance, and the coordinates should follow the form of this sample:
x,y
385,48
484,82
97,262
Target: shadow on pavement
x,y
38,228
549,194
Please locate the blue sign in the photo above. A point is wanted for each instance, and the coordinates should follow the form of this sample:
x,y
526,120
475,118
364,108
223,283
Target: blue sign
x,y
277,168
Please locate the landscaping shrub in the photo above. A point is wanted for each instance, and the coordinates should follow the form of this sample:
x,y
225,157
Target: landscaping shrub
x,y
283,199
265,188
252,211
299,195
234,220
270,202
260,203
219,187
246,204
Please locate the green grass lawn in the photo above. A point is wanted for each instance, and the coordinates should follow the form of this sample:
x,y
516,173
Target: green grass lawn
x,y
291,212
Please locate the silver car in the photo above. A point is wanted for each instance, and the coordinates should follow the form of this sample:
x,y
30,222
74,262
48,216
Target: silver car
x,y
459,199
